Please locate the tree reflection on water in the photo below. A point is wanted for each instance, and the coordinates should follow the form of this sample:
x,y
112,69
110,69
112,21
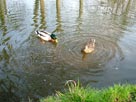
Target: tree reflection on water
x,y
25,69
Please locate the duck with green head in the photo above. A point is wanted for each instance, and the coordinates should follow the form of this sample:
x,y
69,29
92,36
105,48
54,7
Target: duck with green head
x,y
46,36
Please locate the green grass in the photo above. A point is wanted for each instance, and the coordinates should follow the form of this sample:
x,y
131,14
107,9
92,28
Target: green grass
x,y
77,93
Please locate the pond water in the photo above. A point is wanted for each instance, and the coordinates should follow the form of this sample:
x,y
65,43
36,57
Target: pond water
x,y
32,69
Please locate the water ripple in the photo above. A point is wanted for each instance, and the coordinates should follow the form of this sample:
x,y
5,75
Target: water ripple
x,y
106,50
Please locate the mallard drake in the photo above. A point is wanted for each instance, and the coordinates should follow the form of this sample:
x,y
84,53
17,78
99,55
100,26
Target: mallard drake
x,y
46,36
89,47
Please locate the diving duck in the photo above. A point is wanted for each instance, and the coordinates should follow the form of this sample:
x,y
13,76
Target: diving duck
x,y
46,36
89,47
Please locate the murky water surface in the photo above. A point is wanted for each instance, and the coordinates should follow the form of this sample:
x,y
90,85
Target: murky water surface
x,y
30,68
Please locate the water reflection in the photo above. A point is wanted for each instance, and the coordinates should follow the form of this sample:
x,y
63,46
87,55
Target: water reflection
x,y
31,69
80,8
58,17
79,19
42,17
35,18
120,7
3,12
42,9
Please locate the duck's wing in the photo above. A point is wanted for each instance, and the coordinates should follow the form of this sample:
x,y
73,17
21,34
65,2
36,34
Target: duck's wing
x,y
45,32
42,33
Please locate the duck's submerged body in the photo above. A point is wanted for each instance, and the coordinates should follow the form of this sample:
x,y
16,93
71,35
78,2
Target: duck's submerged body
x,y
89,47
46,36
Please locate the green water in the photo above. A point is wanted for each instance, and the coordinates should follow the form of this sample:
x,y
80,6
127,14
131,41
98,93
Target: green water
x,y
32,69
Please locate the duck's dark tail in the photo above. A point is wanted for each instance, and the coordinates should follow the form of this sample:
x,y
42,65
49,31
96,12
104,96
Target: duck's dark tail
x,y
37,32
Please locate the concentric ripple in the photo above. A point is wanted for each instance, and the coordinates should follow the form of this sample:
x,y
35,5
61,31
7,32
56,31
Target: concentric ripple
x,y
106,51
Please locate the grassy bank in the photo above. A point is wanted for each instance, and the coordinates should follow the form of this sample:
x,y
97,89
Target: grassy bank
x,y
77,93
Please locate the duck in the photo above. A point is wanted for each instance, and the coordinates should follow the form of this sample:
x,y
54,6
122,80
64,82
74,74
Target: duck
x,y
46,36
89,47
